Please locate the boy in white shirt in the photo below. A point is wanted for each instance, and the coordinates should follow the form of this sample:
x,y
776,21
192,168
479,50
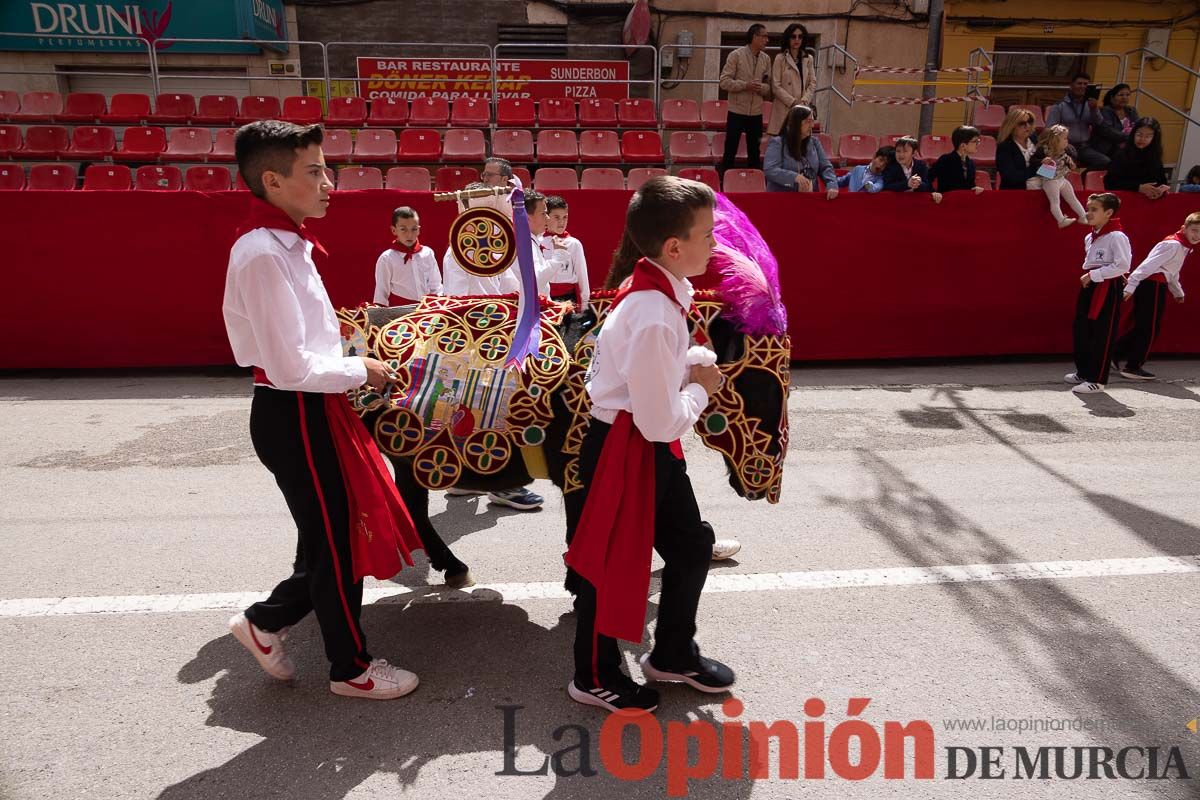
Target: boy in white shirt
x,y
1104,268
1148,287
408,270
570,278
636,493
281,323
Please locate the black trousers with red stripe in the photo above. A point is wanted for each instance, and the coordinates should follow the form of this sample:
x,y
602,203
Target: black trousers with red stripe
x,y
1149,304
291,437
1094,337
683,541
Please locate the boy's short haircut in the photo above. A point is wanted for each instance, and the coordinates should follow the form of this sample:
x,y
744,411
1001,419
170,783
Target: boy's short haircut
x,y
503,163
887,151
532,198
753,30
906,141
403,212
271,145
963,134
555,203
1107,200
1192,219
663,208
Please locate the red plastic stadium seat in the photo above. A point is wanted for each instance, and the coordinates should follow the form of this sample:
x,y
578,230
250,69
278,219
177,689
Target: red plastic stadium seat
x,y
91,142
688,147
338,146
989,118
10,103
347,112
172,109
704,175
555,179
463,145
451,179
857,148
408,179
985,155
826,144
514,145
12,177
1039,121
639,175
52,177
983,180
429,112
301,110
240,184
215,109
599,112
140,144
522,174
934,147
718,147
600,147
636,114
1075,180
713,114
331,175
512,113
83,107
44,141
1093,181
207,179
256,107
891,139
470,112
602,178
223,145
157,179
107,177
127,109
39,107
375,145
188,144
644,147
557,112
745,180
387,112
422,145
680,114
557,146
10,140
359,178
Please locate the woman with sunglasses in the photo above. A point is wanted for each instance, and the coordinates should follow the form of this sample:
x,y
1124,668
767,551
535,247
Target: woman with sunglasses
x,y
793,82
1014,151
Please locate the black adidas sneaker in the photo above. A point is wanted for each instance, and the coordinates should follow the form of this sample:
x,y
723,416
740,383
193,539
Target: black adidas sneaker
x,y
706,675
619,695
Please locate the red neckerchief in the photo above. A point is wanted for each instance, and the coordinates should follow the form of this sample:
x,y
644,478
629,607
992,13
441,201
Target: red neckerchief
x,y
563,235
614,538
265,215
1113,224
408,251
1181,237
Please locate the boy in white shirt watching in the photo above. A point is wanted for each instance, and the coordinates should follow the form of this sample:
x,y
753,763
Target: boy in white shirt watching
x,y
408,270
570,278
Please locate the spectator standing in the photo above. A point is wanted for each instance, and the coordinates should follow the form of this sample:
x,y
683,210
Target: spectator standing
x,y
746,79
793,81
1079,111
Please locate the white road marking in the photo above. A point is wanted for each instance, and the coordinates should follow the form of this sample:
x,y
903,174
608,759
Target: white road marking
x,y
717,583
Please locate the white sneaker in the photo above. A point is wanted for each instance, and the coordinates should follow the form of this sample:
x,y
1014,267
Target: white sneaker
x,y
381,681
267,648
1088,388
725,548
1072,377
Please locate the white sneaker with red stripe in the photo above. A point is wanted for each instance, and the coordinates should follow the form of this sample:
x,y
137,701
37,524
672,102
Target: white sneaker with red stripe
x,y
381,681
267,648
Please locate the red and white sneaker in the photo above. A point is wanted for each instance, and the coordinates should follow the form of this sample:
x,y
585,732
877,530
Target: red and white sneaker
x,y
381,681
267,648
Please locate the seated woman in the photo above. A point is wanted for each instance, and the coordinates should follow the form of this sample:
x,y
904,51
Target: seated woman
x,y
1014,152
795,157
1118,116
1138,166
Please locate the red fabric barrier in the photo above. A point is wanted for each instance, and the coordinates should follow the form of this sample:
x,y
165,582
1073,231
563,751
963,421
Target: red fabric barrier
x,y
132,279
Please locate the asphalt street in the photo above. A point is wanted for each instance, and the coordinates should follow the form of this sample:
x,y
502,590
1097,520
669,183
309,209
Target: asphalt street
x,y
969,546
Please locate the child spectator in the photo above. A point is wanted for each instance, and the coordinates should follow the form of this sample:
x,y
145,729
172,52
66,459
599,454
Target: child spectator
x,y
905,172
569,280
1192,182
956,171
1055,160
408,270
1104,267
868,177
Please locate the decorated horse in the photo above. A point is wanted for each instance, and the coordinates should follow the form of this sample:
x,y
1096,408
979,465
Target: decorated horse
x,y
457,416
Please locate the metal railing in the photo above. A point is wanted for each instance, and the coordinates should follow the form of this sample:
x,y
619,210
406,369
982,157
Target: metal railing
x,y
476,52
1145,53
654,82
163,43
142,45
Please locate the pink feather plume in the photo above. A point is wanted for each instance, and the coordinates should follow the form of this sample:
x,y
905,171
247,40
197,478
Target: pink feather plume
x,y
749,273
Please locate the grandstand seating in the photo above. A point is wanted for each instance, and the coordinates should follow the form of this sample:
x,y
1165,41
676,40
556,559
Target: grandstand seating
x,y
140,144
451,179
470,112
989,118
346,112
258,107
599,147
745,180
44,141
388,113
302,110
375,145
359,178
713,114
10,103
38,107
690,147
12,177
10,140
83,107
857,148
704,175
639,175
127,109
55,177
420,145
215,109
598,112
429,112
555,179
172,109
641,147
1093,181
680,114
188,144
934,147
90,142
985,155
338,146
466,145
408,179
557,146
223,145
636,113
602,178
107,177
557,112
513,144
156,178
207,179
516,113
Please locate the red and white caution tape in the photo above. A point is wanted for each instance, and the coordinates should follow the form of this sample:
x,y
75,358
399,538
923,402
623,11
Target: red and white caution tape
x,y
918,70
909,101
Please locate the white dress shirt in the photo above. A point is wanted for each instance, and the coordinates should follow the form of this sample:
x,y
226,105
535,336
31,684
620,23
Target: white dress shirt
x,y
1167,257
1108,255
457,282
413,280
278,315
570,264
640,365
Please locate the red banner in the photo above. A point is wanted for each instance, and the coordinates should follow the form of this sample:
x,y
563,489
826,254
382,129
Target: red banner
x,y
452,78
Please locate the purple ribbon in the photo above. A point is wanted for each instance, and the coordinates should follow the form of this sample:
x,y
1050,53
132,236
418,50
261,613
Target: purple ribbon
x,y
528,335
